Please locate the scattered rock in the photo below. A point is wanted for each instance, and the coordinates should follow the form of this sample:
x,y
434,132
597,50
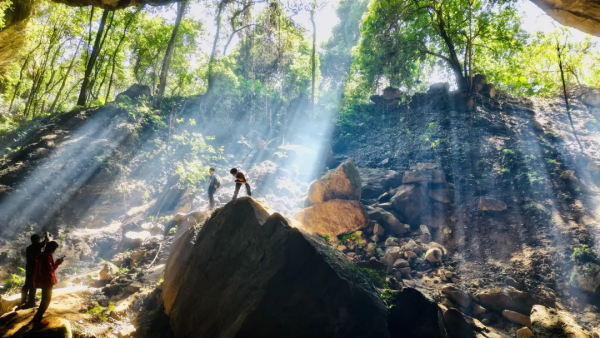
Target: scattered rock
x,y
460,297
507,299
334,217
524,332
440,195
490,204
424,175
478,309
378,230
108,272
586,277
342,183
400,263
434,255
425,234
392,253
551,323
413,246
391,224
514,283
376,181
410,254
391,241
410,201
516,317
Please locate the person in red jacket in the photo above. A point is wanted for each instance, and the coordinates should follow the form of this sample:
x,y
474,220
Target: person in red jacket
x,y
45,279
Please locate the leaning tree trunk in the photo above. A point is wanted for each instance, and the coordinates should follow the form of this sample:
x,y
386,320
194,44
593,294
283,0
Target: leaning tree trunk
x,y
162,84
461,80
64,82
82,100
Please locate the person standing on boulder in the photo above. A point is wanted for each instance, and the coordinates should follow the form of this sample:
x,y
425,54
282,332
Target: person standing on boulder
x,y
214,183
45,279
240,178
31,253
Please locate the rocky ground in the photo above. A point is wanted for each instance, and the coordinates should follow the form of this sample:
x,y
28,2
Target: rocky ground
x,y
492,214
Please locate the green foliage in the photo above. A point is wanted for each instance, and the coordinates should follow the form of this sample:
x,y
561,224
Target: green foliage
x,y
583,253
327,238
98,312
352,238
366,275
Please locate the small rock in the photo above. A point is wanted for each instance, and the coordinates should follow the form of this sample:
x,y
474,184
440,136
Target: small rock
x,y
516,317
478,309
433,255
448,274
400,263
342,248
374,238
524,332
568,174
410,254
447,303
461,297
425,234
405,273
513,282
485,321
378,229
109,271
371,249
391,241
490,204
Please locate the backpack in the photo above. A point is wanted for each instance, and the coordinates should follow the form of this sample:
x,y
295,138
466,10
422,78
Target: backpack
x,y
217,183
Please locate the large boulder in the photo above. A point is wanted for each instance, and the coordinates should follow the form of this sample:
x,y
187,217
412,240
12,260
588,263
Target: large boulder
x,y
459,325
424,175
253,275
410,201
551,323
413,314
586,277
19,324
340,183
179,253
135,92
376,181
334,217
507,299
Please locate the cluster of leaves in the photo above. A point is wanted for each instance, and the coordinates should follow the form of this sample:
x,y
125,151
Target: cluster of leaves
x,y
584,253
101,313
15,282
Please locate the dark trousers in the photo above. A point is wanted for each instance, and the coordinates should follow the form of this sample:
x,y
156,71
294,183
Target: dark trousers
x,y
211,196
28,290
46,297
237,190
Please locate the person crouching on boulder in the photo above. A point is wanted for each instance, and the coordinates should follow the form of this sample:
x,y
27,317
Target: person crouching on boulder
x,y
31,253
240,178
45,279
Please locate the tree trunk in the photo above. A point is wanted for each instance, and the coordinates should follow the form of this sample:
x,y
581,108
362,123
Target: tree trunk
x,y
162,84
453,58
16,92
64,82
114,56
313,58
82,100
562,76
211,61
